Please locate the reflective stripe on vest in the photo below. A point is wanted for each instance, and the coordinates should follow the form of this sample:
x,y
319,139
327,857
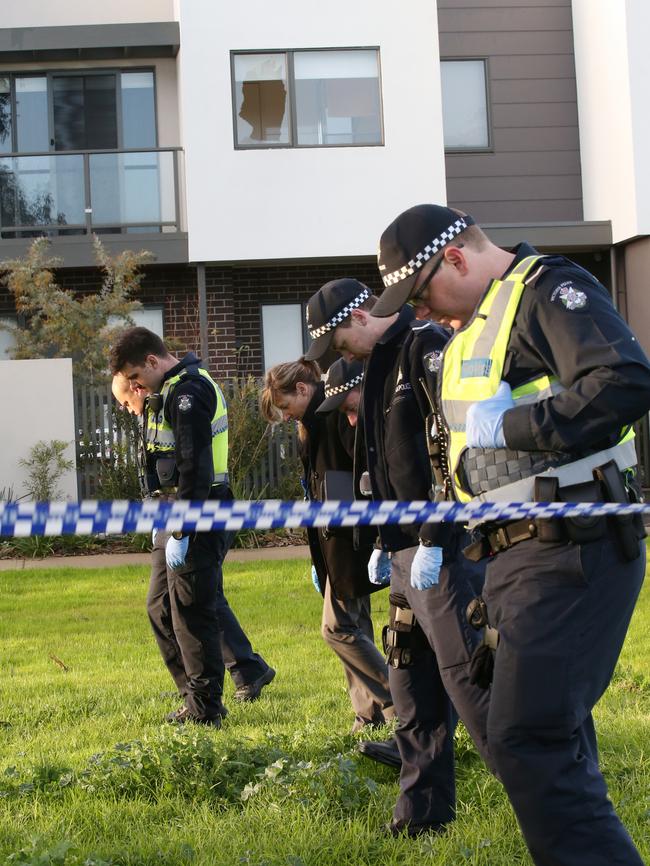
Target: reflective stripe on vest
x,y
160,436
472,368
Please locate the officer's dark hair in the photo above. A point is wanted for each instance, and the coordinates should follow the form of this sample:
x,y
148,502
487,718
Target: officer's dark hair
x,y
132,347
367,305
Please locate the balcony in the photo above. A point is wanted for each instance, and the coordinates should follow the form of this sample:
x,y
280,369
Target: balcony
x,y
71,195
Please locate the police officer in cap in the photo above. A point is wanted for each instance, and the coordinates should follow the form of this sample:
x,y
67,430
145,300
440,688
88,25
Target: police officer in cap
x,y
538,389
428,641
248,670
186,456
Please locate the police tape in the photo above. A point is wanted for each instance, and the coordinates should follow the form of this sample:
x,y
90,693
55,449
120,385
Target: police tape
x,y
20,519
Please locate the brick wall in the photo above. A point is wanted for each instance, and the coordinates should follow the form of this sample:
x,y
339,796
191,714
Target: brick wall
x,y
234,297
288,283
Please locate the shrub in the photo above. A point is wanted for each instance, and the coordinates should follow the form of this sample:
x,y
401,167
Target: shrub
x,y
46,465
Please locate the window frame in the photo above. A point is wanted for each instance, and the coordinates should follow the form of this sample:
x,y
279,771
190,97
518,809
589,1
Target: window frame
x,y
50,73
306,341
489,148
291,97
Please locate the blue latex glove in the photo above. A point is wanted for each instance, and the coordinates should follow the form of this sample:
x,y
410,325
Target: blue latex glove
x,y
379,566
315,580
485,419
425,568
176,551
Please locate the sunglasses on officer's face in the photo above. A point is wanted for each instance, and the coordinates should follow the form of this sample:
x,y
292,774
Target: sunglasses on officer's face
x,y
418,297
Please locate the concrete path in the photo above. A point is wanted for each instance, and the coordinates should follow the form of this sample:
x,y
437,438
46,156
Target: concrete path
x,y
114,560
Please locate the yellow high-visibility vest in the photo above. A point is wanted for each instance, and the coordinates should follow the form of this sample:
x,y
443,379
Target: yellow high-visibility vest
x,y
472,370
159,436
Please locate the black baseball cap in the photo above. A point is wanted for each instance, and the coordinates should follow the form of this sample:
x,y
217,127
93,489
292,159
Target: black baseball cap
x,y
405,247
341,378
331,304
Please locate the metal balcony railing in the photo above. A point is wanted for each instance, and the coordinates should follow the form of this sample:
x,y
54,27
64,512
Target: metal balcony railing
x,y
78,192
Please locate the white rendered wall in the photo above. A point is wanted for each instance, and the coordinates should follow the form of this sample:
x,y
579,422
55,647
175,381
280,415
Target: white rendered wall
x,y
59,13
41,398
293,203
613,73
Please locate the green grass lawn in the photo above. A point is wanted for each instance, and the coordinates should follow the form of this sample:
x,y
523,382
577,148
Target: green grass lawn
x,y
89,775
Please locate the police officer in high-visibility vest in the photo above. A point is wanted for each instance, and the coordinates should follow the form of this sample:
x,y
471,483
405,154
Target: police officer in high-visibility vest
x,y
537,392
186,456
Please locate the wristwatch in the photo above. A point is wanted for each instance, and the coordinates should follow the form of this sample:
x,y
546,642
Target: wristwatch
x,y
178,535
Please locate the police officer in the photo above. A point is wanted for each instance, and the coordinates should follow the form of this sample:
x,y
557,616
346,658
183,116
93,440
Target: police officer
x,y
538,389
429,642
295,391
248,670
186,437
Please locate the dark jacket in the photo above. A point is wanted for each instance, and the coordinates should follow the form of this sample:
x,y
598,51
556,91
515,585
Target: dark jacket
x,y
391,441
192,430
330,446
566,325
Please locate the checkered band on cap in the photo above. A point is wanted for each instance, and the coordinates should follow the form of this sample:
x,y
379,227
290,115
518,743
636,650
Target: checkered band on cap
x,y
315,333
346,386
428,252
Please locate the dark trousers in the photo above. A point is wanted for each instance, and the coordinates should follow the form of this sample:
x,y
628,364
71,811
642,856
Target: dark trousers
x,y
194,626
429,693
562,611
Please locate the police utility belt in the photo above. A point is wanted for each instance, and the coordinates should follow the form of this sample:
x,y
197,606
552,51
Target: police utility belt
x,y
590,479
162,479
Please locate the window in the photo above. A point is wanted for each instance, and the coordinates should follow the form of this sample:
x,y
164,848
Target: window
x,y
147,317
312,98
7,341
283,333
80,110
465,105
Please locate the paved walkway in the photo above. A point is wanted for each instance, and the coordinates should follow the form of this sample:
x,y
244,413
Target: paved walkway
x,y
114,560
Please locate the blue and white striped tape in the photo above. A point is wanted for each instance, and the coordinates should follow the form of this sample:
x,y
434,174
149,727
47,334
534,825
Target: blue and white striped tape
x,y
88,517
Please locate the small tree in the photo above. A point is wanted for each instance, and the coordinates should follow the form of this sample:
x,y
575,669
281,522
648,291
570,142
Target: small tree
x,y
63,325
46,465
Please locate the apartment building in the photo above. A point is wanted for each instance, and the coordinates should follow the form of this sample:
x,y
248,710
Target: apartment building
x,y
259,150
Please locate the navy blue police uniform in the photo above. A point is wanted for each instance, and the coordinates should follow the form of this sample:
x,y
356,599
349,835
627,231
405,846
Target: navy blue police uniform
x,y
429,658
561,595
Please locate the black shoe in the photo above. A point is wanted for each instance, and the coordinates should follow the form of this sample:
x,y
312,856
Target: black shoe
x,y
183,716
384,753
252,691
412,831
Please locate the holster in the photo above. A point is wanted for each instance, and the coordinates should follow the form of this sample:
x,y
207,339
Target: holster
x,y
481,666
402,637
628,528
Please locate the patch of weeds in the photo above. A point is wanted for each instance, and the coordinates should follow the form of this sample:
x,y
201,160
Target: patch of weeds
x,y
629,680
61,854
192,764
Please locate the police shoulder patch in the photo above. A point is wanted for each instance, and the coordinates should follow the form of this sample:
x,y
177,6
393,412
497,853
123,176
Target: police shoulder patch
x,y
432,361
185,403
570,296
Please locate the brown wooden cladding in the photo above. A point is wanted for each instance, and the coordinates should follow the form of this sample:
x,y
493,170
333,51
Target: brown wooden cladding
x,y
532,171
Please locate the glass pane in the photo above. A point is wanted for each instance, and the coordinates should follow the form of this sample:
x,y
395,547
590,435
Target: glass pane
x,y
5,114
261,99
337,97
464,103
7,340
282,333
32,127
41,191
138,111
128,188
84,112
